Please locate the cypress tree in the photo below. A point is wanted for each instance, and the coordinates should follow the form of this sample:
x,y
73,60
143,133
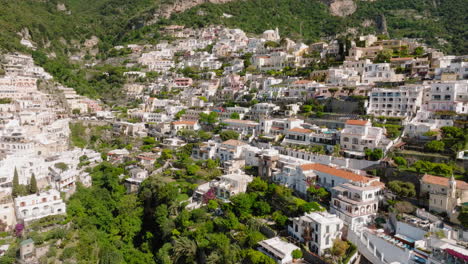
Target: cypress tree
x,y
33,184
16,185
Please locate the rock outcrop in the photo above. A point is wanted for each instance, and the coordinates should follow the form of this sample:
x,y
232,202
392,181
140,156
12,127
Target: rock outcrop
x,y
179,6
342,7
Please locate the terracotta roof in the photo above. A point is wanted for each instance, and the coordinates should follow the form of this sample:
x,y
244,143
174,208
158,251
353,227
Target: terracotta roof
x,y
357,122
184,122
240,121
377,183
443,181
301,82
234,142
335,172
300,130
401,59
146,158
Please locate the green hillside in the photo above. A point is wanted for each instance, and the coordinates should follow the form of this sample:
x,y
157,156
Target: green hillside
x,y
113,20
441,23
103,18
425,19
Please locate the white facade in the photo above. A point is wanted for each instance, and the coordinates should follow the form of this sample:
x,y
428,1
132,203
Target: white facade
x,y
359,135
36,206
380,72
403,101
449,96
317,230
278,249
230,185
354,203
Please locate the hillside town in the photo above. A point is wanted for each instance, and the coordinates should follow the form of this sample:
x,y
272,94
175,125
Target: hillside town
x,y
330,152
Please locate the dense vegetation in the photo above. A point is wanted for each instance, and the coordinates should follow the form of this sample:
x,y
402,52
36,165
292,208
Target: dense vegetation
x,y
60,34
311,20
153,226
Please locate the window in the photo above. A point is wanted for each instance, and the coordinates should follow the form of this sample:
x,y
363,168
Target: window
x,y
327,229
295,227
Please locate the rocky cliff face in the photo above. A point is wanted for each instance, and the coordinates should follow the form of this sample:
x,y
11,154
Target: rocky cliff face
x,y
342,7
166,10
337,7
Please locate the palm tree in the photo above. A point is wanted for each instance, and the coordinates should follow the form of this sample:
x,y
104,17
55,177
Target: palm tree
x,y
333,91
184,250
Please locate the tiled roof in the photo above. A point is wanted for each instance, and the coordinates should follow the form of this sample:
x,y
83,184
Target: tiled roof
x,y
357,122
234,142
401,59
335,172
443,181
301,82
300,130
184,122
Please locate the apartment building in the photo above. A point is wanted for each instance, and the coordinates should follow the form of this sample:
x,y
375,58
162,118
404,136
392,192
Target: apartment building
x,y
399,102
317,230
359,135
448,96
355,202
36,206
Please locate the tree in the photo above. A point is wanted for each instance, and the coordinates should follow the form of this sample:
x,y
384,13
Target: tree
x,y
318,149
404,189
463,216
184,250
261,208
33,184
257,257
400,161
209,119
229,134
16,185
318,193
404,207
306,108
257,185
350,90
235,116
61,166
418,51
373,154
333,91
76,111
435,146
296,254
179,114
383,56
166,154
338,250
337,150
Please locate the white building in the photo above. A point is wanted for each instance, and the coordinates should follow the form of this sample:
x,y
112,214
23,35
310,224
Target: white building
x,y
230,185
356,202
380,72
263,109
279,250
359,135
317,230
7,211
36,206
17,87
448,96
424,122
230,149
402,101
